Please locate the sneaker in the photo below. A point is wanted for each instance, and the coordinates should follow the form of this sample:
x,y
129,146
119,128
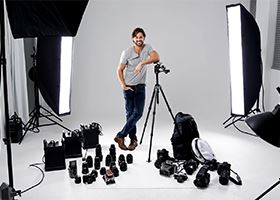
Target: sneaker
x,y
120,142
133,144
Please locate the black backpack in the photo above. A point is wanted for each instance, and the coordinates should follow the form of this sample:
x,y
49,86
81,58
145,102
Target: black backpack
x,y
185,131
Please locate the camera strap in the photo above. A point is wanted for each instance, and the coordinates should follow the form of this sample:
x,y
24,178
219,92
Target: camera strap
x,y
236,181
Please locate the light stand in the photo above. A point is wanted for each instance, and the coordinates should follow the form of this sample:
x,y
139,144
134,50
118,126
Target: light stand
x,y
8,192
33,123
154,101
268,190
241,118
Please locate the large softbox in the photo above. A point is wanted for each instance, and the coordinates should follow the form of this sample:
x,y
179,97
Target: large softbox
x,y
53,74
49,21
34,18
245,59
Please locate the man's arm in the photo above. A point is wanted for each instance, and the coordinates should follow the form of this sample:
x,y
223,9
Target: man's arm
x,y
120,72
153,57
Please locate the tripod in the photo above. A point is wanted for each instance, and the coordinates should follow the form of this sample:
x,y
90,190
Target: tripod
x,y
33,123
154,101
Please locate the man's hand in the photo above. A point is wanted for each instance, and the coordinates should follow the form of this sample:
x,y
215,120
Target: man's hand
x,y
138,68
125,87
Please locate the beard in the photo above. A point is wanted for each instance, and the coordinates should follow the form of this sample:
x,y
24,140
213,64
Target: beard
x,y
139,43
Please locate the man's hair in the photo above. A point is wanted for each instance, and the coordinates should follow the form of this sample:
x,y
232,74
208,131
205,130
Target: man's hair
x,y
138,30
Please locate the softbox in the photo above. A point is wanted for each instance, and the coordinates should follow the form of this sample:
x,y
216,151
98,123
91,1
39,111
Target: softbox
x,y
36,18
53,74
245,59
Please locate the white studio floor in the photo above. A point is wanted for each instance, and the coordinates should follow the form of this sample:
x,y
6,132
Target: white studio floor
x,y
257,163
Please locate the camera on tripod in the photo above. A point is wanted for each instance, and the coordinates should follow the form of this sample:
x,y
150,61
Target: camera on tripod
x,y
159,67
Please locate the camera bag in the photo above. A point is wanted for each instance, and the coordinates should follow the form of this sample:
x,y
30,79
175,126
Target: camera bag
x,y
185,131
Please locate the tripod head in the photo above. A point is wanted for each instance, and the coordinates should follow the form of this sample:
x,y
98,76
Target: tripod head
x,y
159,67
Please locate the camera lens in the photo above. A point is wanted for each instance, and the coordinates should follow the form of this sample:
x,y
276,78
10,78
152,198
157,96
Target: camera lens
x,y
129,158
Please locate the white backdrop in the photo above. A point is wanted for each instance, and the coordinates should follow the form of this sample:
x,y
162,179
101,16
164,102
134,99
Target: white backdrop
x,y
191,38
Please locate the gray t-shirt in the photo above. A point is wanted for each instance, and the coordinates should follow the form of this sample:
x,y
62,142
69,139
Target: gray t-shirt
x,y
131,59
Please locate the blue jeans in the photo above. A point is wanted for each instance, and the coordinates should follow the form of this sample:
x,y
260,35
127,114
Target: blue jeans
x,y
134,106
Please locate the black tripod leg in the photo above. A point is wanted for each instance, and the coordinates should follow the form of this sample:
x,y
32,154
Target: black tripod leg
x,y
227,120
240,118
169,109
50,113
147,117
55,123
27,127
152,130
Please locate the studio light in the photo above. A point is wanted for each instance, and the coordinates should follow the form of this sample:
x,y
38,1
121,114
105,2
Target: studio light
x,y
267,126
45,18
244,59
54,62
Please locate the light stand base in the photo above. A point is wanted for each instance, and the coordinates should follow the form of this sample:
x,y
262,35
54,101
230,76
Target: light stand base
x,y
240,118
7,192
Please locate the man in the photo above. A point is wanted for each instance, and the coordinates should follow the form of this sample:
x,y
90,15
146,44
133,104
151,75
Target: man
x,y
132,77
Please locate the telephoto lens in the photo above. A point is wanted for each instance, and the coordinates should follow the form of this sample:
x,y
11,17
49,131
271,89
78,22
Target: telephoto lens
x,y
97,162
202,178
115,170
89,162
112,151
85,168
129,158
108,160
224,172
94,173
85,179
98,152
123,166
121,159
112,164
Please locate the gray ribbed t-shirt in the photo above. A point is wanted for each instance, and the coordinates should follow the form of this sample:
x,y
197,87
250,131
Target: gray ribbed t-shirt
x,y
131,59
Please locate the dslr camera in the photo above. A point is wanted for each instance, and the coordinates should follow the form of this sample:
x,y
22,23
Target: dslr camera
x,y
162,156
159,67
190,166
180,174
167,168
224,172
202,178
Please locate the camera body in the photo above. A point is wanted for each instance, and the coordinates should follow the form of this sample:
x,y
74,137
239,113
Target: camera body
x,y
224,172
180,173
162,156
202,178
167,168
109,177
72,169
159,67
190,166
